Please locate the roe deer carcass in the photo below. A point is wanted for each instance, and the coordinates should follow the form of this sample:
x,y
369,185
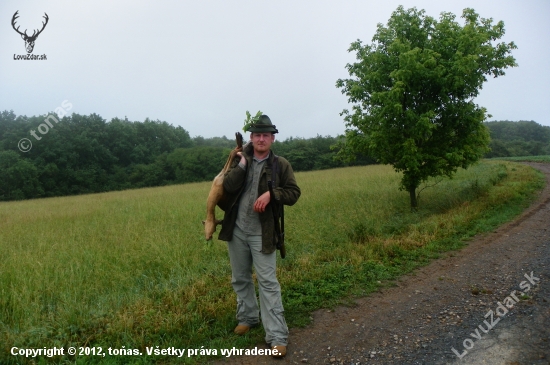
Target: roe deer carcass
x,y
216,192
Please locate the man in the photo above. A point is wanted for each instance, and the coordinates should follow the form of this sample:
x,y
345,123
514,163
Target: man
x,y
249,228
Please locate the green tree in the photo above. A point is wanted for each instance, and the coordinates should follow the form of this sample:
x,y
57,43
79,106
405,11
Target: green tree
x,y
413,91
196,163
523,130
19,178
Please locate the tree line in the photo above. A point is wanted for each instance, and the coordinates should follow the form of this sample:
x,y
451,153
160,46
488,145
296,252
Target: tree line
x,y
86,154
82,154
523,138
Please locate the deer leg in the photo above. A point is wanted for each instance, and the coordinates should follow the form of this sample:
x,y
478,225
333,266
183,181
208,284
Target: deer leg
x,y
216,192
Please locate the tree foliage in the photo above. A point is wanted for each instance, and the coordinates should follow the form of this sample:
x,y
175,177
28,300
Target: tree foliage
x,y
19,177
523,138
83,154
316,153
412,91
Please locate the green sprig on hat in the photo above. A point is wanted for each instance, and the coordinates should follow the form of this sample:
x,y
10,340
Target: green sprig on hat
x,y
250,120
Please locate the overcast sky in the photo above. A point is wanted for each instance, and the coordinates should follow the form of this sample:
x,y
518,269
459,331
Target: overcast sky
x,y
202,64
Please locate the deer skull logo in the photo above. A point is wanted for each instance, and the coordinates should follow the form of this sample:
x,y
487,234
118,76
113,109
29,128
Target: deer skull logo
x,y
29,40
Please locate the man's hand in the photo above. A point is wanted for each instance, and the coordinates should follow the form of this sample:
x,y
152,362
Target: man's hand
x,y
243,160
262,202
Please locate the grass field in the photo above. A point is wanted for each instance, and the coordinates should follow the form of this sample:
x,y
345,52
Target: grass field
x,y
131,269
542,158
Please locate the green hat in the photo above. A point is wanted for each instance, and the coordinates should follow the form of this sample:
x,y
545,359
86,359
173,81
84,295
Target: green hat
x,y
263,125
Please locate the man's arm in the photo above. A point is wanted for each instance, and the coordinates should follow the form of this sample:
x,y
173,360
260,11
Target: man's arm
x,y
287,189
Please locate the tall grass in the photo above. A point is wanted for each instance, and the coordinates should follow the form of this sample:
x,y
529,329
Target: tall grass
x,y
132,268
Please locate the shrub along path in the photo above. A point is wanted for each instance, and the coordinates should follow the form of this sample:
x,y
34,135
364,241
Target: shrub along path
x,y
455,310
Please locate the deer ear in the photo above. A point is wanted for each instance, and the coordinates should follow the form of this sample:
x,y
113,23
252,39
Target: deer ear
x,y
22,36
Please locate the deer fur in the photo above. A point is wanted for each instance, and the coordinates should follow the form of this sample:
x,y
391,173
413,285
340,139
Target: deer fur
x,y
217,193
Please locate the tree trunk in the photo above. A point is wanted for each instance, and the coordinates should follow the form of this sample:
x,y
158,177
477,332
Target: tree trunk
x,y
412,194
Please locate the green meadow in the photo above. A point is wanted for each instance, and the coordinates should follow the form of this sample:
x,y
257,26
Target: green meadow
x,y
542,158
131,269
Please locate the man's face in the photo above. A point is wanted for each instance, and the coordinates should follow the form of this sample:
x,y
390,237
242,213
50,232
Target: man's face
x,y
262,141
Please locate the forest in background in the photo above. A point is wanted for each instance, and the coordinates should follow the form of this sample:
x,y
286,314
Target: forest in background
x,y
523,138
86,154
82,154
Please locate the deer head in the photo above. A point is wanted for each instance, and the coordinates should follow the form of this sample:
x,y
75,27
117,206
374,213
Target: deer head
x,y
29,40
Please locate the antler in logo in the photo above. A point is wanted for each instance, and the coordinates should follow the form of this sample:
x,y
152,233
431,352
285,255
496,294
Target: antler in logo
x,y
29,41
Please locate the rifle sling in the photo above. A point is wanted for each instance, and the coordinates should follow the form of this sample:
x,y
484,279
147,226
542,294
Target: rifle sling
x,y
279,230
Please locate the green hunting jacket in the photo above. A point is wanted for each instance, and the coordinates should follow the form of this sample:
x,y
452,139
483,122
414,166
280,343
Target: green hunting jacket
x,y
286,191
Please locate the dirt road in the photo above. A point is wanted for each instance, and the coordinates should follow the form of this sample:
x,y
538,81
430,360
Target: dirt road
x,y
465,308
